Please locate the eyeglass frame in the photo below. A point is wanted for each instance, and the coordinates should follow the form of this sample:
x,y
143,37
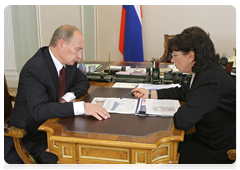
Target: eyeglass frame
x,y
175,55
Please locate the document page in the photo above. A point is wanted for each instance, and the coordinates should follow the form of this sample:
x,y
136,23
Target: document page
x,y
157,87
125,85
162,107
117,105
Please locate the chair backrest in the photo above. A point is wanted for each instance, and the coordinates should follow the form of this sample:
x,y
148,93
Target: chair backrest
x,y
7,102
166,58
228,67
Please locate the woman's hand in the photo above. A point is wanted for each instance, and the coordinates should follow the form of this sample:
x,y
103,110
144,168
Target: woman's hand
x,y
141,93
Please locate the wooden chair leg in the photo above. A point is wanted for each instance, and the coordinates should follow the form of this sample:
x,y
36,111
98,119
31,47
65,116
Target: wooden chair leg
x,y
22,152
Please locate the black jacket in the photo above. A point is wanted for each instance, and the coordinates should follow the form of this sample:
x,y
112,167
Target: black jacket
x,y
38,90
210,105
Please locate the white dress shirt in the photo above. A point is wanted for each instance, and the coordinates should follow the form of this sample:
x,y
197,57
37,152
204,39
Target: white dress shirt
x,y
78,107
192,80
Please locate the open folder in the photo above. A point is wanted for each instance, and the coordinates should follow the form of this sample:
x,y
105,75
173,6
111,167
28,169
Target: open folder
x,y
141,107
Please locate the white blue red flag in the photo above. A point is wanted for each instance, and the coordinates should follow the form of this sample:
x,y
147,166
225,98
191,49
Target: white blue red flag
x,y
130,43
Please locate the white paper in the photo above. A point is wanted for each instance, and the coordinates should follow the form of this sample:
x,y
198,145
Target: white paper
x,y
162,107
119,67
125,85
156,87
117,105
132,70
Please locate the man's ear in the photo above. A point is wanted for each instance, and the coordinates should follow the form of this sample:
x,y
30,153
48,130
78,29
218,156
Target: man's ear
x,y
191,56
60,44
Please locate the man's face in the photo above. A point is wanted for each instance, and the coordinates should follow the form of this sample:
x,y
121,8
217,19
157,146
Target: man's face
x,y
71,52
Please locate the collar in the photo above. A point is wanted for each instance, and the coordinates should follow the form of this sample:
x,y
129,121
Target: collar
x,y
192,80
57,64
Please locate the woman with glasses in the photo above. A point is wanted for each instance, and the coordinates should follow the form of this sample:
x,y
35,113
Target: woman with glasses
x,y
210,99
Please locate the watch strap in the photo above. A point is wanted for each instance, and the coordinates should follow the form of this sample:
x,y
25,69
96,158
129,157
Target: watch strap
x,y
149,94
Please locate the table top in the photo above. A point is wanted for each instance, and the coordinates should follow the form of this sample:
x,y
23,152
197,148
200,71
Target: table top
x,y
146,130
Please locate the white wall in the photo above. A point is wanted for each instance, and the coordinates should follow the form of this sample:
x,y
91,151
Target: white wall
x,y
53,16
219,21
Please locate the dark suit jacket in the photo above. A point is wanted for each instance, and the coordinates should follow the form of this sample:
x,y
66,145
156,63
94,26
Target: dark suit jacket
x,y
210,106
38,90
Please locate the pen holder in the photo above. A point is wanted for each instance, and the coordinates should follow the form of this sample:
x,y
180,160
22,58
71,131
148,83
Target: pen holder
x,y
155,73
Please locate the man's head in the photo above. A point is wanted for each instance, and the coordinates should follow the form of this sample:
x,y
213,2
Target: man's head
x,y
66,44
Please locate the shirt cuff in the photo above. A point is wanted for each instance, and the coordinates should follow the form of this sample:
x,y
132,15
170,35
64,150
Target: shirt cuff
x,y
78,108
69,96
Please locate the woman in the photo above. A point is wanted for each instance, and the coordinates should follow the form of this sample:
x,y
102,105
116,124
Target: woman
x,y
210,99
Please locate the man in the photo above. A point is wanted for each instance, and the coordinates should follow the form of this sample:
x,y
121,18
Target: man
x,y
44,92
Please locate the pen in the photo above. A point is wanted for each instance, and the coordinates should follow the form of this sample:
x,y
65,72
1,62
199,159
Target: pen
x,y
127,94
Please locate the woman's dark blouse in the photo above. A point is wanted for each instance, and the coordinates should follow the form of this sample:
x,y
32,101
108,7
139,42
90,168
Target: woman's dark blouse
x,y
210,106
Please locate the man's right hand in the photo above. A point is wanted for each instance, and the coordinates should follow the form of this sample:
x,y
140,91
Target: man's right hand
x,y
96,111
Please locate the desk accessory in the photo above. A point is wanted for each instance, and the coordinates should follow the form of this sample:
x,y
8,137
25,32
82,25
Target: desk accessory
x,y
135,77
223,60
178,78
168,78
98,76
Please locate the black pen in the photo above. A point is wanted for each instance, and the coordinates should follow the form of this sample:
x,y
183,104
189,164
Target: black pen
x,y
127,94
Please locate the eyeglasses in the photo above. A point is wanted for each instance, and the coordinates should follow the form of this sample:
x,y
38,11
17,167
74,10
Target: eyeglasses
x,y
175,55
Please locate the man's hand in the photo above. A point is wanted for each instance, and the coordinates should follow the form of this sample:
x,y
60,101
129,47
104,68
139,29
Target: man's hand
x,y
96,111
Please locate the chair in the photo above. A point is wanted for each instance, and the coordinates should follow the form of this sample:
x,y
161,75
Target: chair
x,y
166,58
232,154
16,133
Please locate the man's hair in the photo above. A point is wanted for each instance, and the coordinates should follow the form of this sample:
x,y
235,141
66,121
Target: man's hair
x,y
64,32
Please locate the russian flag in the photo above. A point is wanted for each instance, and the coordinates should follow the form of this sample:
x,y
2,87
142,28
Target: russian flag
x,y
130,43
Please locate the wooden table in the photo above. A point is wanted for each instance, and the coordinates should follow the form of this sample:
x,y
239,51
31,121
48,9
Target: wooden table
x,y
123,138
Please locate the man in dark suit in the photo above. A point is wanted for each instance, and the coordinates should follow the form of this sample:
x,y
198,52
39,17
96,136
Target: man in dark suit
x,y
42,96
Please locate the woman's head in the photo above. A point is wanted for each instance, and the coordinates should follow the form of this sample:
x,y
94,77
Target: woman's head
x,y
195,48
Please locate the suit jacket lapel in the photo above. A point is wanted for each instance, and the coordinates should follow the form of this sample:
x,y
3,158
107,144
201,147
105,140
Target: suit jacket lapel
x,y
52,69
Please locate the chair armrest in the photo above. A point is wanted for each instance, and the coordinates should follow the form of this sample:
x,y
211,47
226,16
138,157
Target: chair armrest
x,y
14,131
18,134
232,154
12,97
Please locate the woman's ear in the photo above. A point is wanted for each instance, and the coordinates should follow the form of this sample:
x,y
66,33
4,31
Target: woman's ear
x,y
191,56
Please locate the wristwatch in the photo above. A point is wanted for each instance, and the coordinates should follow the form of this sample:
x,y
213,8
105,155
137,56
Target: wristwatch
x,y
149,95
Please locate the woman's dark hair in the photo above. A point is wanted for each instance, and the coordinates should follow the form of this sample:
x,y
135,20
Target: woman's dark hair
x,y
197,40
